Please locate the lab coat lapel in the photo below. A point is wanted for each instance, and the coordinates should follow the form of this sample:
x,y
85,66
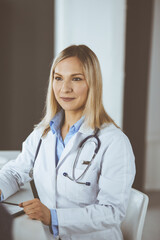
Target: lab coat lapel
x,y
49,155
68,148
50,143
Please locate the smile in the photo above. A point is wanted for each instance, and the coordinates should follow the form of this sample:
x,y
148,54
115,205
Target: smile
x,y
67,99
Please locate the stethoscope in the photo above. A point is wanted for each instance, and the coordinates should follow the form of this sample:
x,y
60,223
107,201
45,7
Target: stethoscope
x,y
80,148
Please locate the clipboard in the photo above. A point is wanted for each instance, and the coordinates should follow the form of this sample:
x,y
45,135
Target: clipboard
x,y
23,195
13,210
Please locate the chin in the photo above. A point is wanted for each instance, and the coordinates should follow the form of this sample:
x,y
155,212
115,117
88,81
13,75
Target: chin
x,y
69,109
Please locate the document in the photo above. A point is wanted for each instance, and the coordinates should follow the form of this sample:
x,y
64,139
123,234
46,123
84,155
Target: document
x,y
13,210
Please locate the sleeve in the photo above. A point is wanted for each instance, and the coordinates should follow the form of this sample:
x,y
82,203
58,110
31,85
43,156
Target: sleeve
x,y
115,181
16,172
1,197
54,222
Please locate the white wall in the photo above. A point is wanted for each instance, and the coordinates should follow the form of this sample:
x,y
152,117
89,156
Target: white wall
x,y
152,177
100,24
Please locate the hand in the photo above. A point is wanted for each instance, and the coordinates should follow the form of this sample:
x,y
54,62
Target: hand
x,y
36,210
0,193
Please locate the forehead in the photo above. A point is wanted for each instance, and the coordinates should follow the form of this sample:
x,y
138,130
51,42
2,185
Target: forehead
x,y
71,64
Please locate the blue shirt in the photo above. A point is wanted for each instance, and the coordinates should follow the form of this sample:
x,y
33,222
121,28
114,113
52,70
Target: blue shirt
x,y
55,126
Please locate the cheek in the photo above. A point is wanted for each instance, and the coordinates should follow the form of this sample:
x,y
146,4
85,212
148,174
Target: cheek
x,y
83,91
55,88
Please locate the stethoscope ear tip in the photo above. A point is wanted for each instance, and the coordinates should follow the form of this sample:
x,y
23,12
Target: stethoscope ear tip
x,y
88,183
65,174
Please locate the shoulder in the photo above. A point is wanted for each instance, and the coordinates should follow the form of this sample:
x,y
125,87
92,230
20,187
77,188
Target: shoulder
x,y
111,135
110,130
117,148
34,136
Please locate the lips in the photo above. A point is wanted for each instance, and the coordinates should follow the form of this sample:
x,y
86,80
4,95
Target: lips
x,y
66,99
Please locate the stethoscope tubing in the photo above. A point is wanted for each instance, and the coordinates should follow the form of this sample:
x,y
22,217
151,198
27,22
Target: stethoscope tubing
x,y
81,145
74,179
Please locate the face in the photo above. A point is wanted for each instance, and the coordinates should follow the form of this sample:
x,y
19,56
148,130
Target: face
x,y
69,85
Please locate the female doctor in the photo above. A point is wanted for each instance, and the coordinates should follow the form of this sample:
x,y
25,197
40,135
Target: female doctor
x,y
85,166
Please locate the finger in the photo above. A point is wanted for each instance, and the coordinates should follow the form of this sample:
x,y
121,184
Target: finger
x,y
23,204
32,208
34,216
31,211
27,203
35,206
41,213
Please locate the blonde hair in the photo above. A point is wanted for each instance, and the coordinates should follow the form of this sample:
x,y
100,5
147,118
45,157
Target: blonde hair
x,y
95,114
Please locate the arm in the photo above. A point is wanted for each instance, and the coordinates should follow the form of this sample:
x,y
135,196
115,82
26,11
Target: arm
x,y
115,181
16,172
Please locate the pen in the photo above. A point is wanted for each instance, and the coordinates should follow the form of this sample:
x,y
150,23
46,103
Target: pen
x,y
15,204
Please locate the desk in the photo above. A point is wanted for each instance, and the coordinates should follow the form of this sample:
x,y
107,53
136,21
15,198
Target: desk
x,y
23,227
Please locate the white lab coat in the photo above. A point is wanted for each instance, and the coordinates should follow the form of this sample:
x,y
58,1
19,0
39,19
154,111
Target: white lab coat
x,y
84,212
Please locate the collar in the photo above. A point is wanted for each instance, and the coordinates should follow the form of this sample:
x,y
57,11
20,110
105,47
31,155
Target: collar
x,y
85,129
56,123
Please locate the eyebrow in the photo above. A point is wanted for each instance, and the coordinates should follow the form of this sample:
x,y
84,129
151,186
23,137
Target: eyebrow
x,y
74,74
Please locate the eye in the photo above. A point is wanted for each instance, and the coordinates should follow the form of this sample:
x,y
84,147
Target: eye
x,y
58,78
77,79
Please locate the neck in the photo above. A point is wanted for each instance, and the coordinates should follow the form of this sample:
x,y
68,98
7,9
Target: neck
x,y
71,118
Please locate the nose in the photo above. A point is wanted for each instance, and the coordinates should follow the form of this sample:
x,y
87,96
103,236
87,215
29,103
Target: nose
x,y
66,87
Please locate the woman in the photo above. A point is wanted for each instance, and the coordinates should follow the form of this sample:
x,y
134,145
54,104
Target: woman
x,y
80,198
